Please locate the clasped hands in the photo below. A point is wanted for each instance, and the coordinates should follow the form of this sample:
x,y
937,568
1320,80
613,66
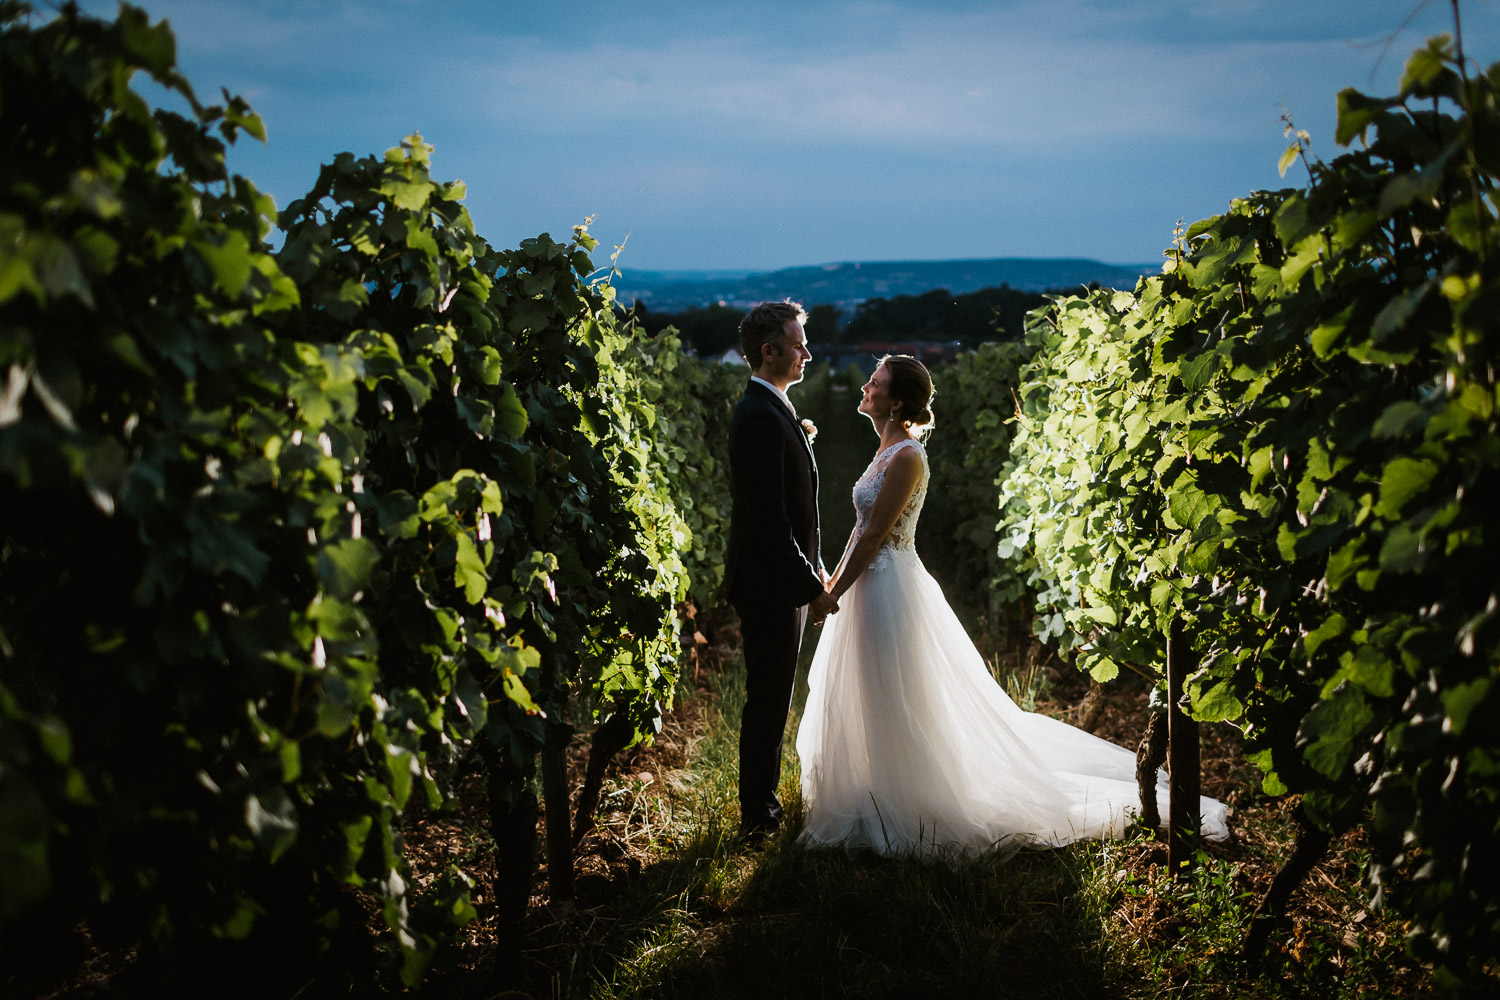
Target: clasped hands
x,y
820,607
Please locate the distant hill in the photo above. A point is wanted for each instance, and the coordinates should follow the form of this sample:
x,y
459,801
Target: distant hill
x,y
850,283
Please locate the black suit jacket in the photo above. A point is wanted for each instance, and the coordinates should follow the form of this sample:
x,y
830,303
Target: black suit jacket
x,y
773,531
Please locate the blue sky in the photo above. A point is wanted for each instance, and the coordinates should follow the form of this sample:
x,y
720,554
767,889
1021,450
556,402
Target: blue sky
x,y
777,133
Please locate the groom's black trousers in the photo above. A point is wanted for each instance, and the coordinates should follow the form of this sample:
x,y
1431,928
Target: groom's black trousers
x,y
772,638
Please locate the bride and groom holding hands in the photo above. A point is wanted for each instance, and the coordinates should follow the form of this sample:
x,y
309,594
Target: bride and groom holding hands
x,y
907,744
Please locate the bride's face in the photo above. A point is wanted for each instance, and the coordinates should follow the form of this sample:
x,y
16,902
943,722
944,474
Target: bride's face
x,y
875,397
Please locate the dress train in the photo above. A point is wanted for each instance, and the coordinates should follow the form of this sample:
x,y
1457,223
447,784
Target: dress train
x,y
909,745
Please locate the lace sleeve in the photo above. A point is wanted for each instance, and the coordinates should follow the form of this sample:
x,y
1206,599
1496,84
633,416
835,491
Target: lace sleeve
x,y
902,536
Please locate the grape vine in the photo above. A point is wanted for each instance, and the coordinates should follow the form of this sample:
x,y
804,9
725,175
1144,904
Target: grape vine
x,y
1287,442
292,539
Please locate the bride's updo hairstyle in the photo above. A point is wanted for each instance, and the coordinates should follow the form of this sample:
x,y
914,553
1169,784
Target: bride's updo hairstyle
x,y
911,386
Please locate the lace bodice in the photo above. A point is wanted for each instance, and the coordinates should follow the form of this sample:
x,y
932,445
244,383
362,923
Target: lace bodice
x,y
904,533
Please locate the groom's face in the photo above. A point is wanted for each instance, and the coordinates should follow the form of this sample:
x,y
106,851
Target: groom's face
x,y
785,359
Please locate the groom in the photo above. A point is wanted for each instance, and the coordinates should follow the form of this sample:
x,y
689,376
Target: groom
x,y
773,573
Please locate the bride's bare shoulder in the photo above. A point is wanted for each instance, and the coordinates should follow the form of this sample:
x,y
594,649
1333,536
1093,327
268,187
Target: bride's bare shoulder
x,y
905,463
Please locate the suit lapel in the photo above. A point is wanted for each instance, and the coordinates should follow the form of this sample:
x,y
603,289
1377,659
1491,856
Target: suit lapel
x,y
812,463
797,429
786,415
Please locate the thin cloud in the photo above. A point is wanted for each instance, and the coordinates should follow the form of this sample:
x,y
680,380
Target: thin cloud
x,y
785,132
943,83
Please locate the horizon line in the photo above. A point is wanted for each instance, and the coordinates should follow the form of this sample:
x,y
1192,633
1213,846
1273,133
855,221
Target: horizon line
x,y
830,265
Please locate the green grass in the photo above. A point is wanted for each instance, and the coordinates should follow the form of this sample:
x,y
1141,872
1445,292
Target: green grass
x,y
712,918
708,917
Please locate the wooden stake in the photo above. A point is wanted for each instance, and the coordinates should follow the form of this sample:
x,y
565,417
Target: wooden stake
x,y
1182,760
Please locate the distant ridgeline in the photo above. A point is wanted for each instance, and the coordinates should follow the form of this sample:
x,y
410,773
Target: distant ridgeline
x,y
846,285
926,308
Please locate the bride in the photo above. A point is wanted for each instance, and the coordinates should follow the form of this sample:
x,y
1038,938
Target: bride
x,y
907,743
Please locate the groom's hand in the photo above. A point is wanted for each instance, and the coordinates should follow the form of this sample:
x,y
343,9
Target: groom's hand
x,y
821,607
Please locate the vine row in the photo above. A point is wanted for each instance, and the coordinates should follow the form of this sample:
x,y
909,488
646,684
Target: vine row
x,y
294,539
1287,442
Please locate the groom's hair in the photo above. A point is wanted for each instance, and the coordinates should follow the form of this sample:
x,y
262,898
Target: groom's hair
x,y
764,324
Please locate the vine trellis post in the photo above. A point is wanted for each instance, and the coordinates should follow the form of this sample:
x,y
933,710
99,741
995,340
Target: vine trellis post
x,y
1183,818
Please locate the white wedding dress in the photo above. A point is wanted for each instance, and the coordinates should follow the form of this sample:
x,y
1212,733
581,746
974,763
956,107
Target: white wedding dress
x,y
908,745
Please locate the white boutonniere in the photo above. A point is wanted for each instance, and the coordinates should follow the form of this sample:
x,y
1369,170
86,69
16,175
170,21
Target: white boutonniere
x,y
810,429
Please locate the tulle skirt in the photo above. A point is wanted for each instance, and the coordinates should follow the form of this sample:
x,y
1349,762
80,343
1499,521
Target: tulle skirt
x,y
908,745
